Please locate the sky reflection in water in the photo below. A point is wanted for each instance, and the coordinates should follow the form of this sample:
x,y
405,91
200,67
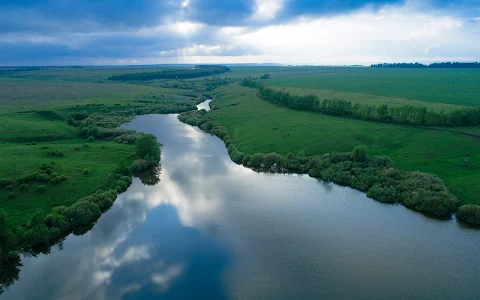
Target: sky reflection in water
x,y
214,230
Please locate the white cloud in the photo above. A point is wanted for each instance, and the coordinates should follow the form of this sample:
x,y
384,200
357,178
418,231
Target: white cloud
x,y
164,279
266,10
133,254
395,33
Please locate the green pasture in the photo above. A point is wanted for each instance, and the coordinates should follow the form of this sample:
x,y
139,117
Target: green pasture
x,y
451,86
258,126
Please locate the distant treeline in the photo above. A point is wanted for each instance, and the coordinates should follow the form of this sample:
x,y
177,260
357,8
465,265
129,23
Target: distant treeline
x,y
10,71
405,114
197,71
443,65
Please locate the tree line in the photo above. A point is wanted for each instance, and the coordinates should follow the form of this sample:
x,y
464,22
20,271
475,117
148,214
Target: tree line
x,y
441,65
404,114
197,71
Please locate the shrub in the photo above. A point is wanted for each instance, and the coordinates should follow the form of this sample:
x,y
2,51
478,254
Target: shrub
x,y
122,185
4,182
25,178
139,165
427,193
383,194
360,153
54,153
23,187
469,213
40,189
63,177
9,187
56,180
86,171
83,212
91,139
11,195
42,178
48,171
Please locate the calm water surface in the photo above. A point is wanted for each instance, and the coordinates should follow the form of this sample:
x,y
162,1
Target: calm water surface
x,y
211,229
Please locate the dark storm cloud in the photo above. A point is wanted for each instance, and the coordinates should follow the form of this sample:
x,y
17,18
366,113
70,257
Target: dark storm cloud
x,y
92,15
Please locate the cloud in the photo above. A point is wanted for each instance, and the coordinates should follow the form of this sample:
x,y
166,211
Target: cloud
x,y
47,32
391,34
164,279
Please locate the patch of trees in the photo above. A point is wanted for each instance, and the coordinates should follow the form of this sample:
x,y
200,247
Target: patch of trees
x,y
147,149
197,71
405,114
469,214
45,175
212,84
105,125
45,228
378,176
442,65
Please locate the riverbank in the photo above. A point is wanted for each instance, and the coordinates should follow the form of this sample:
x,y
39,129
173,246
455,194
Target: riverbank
x,y
100,129
378,176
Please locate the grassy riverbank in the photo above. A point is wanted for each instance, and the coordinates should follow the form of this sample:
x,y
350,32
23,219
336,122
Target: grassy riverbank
x,y
258,126
59,145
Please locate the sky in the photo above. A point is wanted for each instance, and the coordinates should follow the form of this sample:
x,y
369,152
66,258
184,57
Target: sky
x,y
314,32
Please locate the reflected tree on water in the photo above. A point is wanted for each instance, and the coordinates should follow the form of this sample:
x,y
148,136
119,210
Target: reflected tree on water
x,y
9,271
150,176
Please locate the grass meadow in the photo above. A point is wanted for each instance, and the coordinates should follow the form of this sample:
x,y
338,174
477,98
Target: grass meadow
x,y
34,102
33,106
449,86
258,126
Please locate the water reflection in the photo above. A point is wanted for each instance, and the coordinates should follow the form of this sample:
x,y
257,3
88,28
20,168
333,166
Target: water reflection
x,y
211,229
204,105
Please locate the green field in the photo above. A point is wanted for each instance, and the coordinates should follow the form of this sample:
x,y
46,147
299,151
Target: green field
x,y
34,104
258,126
367,98
451,86
33,109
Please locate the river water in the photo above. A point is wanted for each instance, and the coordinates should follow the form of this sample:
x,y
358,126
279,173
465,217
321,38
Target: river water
x,y
211,229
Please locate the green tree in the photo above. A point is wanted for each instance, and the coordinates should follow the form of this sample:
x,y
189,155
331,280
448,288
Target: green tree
x,y
3,226
40,189
83,212
360,153
147,145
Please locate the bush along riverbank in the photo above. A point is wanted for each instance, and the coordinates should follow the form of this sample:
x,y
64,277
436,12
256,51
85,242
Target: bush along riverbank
x,y
47,228
378,176
405,114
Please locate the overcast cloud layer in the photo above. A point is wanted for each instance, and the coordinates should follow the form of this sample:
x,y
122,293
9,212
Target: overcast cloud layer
x,y
62,32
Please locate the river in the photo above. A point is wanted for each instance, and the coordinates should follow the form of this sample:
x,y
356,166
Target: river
x,y
211,229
